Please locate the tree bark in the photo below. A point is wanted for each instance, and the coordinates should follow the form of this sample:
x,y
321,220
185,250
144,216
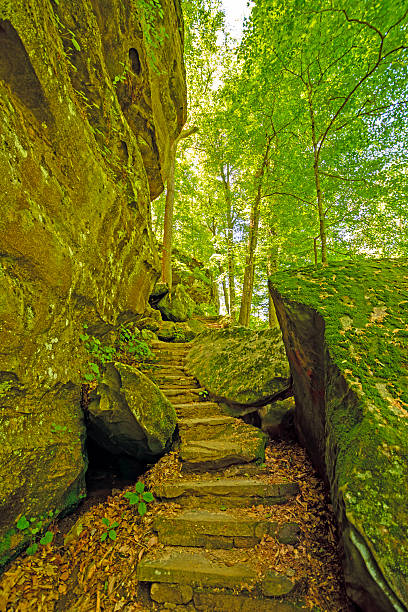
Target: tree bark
x,y
225,290
230,239
249,273
271,267
166,275
316,172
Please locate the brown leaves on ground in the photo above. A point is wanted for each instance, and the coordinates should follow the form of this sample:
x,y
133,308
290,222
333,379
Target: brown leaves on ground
x,y
86,574
316,560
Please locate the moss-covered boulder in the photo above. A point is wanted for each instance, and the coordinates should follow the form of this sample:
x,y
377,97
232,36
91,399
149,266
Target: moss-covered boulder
x,y
90,105
240,365
277,418
176,306
130,415
43,463
345,329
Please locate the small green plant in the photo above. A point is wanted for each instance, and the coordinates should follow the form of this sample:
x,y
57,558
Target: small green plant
x,y
140,497
179,335
31,527
129,342
55,428
102,353
110,529
5,386
203,393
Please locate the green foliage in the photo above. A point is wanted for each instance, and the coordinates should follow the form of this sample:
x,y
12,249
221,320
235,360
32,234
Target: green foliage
x,y
102,353
5,386
140,497
131,343
31,527
110,530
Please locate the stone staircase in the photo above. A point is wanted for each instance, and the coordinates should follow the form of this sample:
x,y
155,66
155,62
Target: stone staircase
x,y
207,531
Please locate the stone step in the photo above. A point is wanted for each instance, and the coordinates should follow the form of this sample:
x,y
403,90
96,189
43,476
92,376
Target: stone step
x,y
181,395
219,452
218,426
215,600
203,528
227,492
166,345
172,361
197,409
205,427
178,380
208,569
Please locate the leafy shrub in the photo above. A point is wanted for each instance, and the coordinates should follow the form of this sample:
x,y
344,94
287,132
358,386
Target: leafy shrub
x,y
130,342
140,497
32,527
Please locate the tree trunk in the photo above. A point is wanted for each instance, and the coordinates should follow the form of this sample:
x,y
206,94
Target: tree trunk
x,y
319,195
230,239
166,276
271,267
225,290
249,273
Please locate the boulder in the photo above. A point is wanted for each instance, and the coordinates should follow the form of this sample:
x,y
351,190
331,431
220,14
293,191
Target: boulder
x,y
345,331
277,418
130,415
240,365
43,461
177,306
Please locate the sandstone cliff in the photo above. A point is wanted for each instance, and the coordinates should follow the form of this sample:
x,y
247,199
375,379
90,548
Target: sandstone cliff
x,y
92,95
345,332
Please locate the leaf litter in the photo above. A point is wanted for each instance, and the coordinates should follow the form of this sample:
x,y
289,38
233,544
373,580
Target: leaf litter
x,y
79,573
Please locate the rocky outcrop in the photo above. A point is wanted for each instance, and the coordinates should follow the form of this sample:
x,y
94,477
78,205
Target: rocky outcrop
x,y
92,96
176,306
131,416
240,365
345,332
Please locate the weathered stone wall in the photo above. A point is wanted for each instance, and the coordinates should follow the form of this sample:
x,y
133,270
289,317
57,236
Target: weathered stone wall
x,y
92,94
345,331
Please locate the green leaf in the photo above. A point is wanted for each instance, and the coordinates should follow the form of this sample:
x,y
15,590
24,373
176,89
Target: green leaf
x,y
34,530
31,550
104,536
142,508
112,534
148,497
134,499
89,377
22,523
47,538
139,487
115,524
75,43
106,521
94,367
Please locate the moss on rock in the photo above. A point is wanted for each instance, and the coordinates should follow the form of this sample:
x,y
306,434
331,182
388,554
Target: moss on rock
x,y
345,330
239,364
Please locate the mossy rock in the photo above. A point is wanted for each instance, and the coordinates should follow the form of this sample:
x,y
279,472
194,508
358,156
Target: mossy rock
x,y
42,459
130,415
177,306
239,364
345,330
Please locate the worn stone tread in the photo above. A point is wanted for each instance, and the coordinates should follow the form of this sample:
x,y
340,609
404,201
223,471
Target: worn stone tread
x,y
230,492
215,529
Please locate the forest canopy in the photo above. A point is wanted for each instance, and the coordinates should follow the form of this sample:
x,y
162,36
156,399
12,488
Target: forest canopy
x,y
296,142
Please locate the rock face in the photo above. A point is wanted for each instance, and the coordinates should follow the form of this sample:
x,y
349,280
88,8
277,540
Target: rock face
x,y
131,415
345,331
239,364
177,306
92,96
